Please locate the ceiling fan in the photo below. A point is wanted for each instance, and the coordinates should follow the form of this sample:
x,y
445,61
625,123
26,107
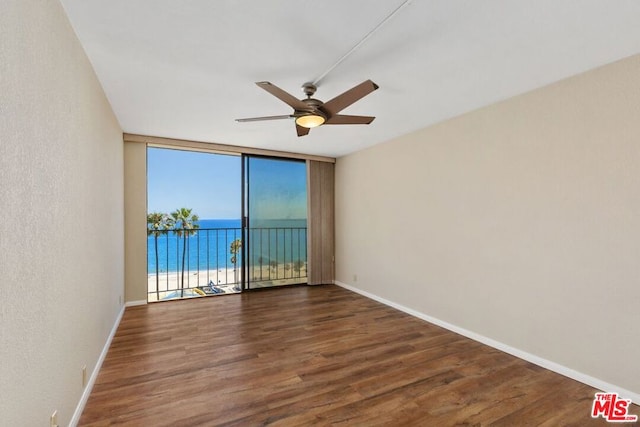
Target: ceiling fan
x,y
310,112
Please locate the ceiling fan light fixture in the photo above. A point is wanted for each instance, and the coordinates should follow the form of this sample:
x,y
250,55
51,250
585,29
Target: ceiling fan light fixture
x,y
310,120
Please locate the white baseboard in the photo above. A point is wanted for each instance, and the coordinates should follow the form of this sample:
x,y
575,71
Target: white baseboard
x,y
547,364
134,303
94,375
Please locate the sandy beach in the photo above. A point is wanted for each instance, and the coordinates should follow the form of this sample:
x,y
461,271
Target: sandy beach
x,y
225,279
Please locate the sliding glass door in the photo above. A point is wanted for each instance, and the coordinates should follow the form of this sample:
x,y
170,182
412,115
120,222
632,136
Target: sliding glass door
x,y
276,222
198,242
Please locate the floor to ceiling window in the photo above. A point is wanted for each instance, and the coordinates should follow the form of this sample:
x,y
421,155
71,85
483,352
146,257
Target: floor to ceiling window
x,y
193,224
197,241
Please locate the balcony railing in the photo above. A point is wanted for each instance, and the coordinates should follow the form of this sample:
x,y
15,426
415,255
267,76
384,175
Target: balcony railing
x,y
213,263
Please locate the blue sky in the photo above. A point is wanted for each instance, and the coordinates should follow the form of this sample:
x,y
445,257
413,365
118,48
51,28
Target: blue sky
x,y
207,183
210,184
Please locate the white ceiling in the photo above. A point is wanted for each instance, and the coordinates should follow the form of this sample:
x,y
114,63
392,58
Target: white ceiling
x,y
186,69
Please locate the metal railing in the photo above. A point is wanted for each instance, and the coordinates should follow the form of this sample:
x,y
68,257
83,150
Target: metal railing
x,y
277,254
213,263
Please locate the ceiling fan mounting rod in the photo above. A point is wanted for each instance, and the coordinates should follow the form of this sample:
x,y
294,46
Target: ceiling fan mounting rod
x,y
360,43
309,89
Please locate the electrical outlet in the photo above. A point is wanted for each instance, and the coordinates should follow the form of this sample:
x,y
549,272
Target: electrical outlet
x,y
84,376
355,277
120,300
53,422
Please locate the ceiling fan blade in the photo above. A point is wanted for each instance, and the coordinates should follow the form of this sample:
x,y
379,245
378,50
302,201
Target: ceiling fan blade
x,y
260,119
283,96
347,98
341,119
302,131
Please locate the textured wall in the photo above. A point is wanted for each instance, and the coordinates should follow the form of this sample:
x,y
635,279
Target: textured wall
x,y
135,199
519,222
61,232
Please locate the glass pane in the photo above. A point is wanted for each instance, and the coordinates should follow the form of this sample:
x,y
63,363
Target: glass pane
x,y
193,220
277,214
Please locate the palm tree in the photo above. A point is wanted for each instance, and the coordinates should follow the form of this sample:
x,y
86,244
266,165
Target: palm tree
x,y
297,266
158,224
185,225
234,250
287,268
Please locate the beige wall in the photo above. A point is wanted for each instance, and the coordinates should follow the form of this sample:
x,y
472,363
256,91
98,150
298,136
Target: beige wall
x,y
135,198
61,233
519,222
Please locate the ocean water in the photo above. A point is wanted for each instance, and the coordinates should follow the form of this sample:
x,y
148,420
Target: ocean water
x,y
282,241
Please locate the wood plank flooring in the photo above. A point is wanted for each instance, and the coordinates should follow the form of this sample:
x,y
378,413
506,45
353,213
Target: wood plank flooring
x,y
316,356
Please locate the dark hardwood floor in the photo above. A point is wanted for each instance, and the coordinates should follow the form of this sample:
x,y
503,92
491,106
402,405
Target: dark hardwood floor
x,y
316,356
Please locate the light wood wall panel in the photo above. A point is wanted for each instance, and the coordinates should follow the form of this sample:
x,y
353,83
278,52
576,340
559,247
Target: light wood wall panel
x,y
211,147
321,241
